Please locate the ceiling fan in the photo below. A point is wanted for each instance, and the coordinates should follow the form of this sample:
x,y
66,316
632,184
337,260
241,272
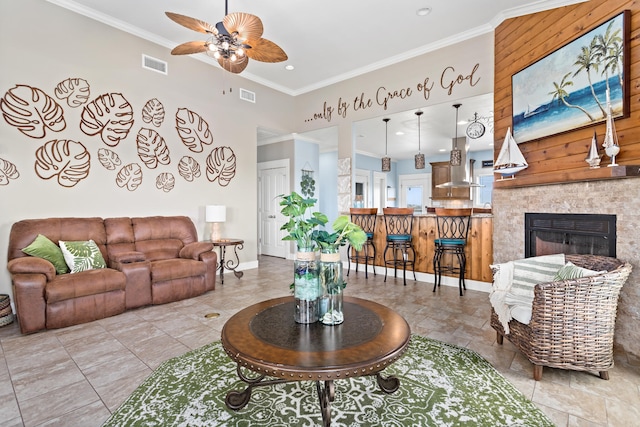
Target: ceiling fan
x,y
232,41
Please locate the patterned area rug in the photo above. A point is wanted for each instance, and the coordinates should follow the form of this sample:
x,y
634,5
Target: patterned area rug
x,y
440,385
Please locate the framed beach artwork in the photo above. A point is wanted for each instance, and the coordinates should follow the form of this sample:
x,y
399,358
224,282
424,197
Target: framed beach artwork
x,y
568,88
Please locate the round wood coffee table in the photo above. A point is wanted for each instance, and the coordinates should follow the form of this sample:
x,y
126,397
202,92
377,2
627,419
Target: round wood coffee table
x,y
265,340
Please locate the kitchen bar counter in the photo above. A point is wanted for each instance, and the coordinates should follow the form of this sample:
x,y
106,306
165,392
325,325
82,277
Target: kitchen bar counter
x,y
479,249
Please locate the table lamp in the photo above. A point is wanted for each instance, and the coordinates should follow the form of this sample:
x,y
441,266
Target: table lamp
x,y
215,214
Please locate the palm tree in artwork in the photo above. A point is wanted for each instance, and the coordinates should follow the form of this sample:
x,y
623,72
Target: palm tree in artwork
x,y
588,60
613,61
608,49
561,94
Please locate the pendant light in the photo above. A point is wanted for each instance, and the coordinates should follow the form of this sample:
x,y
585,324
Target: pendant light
x,y
386,161
456,154
419,158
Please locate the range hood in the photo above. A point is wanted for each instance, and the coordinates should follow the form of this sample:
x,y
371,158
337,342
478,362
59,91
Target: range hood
x,y
460,175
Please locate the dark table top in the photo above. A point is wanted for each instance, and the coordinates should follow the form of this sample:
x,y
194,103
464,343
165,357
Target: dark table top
x,y
264,338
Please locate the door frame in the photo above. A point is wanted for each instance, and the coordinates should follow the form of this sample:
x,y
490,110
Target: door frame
x,y
272,164
422,178
363,176
380,181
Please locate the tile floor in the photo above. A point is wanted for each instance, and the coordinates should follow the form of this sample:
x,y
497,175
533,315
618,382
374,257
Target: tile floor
x,y
76,376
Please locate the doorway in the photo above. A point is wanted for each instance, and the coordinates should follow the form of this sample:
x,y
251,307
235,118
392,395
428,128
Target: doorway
x,y
379,190
362,189
415,190
273,180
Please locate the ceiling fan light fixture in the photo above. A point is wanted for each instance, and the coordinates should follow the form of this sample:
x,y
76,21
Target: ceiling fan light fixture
x,y
228,40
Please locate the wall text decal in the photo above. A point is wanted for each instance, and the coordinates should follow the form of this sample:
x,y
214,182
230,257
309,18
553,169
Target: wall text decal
x,y
450,78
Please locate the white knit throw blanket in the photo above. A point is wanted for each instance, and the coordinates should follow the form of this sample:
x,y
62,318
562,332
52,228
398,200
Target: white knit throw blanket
x,y
514,282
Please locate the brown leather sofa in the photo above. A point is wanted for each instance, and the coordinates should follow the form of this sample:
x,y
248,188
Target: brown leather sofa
x,y
150,260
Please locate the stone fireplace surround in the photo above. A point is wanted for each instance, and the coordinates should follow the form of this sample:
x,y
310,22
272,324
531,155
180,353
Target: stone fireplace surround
x,y
620,197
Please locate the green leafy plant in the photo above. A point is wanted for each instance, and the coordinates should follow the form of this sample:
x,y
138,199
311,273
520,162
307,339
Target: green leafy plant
x,y
301,223
344,231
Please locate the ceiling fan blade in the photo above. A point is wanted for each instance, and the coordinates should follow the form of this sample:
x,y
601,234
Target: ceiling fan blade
x,y
192,23
266,51
221,29
249,27
234,67
189,47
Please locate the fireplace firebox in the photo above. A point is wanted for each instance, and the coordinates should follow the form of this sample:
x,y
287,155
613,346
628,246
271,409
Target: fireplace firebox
x,y
552,233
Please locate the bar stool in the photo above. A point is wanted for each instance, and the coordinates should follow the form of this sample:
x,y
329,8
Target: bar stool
x,y
453,229
399,224
366,219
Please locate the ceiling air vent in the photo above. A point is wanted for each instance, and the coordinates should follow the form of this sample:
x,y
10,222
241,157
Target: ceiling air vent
x,y
154,64
247,95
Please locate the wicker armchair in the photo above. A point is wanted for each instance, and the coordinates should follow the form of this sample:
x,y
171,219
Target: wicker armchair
x,y
573,321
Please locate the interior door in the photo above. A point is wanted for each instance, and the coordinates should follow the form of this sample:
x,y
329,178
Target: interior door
x,y
272,181
362,189
415,191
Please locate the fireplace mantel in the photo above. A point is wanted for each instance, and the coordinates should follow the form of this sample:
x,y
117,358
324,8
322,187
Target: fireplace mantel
x,y
563,177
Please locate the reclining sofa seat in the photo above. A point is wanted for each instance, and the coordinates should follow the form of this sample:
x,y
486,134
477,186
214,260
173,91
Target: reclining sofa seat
x,y
149,261
163,257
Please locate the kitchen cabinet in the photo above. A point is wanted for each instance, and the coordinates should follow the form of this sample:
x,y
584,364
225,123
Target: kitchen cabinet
x,y
441,173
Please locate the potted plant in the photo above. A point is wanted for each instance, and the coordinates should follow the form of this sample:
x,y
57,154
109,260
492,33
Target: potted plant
x,y
344,231
300,226
331,282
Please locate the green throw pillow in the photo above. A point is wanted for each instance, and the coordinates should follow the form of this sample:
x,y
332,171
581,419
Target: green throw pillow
x,y
571,271
82,255
44,248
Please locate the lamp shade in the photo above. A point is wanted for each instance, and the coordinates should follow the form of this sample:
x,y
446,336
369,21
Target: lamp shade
x,y
215,213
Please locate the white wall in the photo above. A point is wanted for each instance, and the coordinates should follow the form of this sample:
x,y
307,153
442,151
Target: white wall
x,y
42,44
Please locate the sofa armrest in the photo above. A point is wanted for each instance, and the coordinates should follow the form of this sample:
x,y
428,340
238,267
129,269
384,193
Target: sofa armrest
x,y
195,249
32,265
127,257
138,283
28,294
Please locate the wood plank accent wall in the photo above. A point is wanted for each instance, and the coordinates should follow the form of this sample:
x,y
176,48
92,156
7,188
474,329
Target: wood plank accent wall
x,y
479,248
522,41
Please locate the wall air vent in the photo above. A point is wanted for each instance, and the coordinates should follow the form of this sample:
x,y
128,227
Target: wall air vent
x,y
154,64
247,95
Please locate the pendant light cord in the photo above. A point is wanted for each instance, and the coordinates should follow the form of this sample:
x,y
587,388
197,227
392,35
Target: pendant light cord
x,y
386,134
418,134
455,141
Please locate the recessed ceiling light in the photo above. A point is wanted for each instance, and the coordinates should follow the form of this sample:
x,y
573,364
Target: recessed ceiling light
x,y
399,133
289,67
442,150
423,11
